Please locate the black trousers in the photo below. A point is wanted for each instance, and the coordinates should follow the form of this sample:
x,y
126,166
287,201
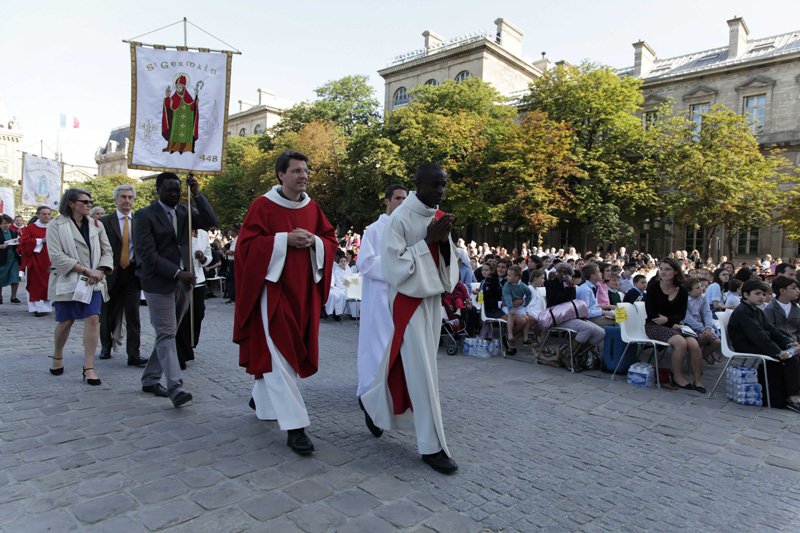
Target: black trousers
x,y
230,281
123,301
183,339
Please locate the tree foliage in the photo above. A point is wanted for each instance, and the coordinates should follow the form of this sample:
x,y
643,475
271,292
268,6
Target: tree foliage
x,y
102,190
599,107
349,102
716,177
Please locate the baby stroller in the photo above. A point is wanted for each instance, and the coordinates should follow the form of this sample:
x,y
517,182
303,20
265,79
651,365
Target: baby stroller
x,y
452,335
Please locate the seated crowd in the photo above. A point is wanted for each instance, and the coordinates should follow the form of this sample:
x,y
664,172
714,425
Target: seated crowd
x,y
681,293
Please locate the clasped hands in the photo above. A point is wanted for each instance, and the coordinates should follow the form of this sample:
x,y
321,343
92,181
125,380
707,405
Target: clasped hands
x,y
300,238
439,230
93,275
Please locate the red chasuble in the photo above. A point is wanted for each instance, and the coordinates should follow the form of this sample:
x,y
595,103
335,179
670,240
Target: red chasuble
x,y
294,300
36,264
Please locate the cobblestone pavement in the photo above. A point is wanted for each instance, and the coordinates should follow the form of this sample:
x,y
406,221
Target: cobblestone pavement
x,y
538,449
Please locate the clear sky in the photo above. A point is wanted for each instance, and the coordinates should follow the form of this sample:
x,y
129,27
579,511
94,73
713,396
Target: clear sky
x,y
67,57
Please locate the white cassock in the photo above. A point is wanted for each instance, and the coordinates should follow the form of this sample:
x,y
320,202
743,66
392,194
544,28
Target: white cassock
x,y
410,270
337,297
538,301
376,319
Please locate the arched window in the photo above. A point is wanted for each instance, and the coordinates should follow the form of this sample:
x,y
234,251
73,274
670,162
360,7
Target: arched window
x,y
432,82
461,76
258,130
242,132
400,96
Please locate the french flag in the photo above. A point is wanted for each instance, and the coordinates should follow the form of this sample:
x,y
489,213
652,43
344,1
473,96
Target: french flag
x,y
70,122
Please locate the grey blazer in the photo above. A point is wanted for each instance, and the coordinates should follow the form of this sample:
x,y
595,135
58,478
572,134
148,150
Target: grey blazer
x,y
777,318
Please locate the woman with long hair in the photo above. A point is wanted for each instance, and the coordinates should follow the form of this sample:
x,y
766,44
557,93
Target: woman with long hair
x,y
9,261
79,253
666,303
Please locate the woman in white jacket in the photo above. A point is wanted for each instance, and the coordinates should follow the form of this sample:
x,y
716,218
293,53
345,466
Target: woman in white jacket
x,y
79,251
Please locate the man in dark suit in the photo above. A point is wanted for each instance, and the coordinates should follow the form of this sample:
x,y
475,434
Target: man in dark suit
x,y
164,270
123,285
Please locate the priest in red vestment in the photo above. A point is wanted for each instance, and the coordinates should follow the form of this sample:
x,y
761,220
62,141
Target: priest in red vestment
x,y
283,261
36,262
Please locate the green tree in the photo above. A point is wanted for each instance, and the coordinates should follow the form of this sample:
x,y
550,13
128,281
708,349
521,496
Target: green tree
x,y
453,125
599,107
349,102
716,177
326,148
247,175
527,185
102,190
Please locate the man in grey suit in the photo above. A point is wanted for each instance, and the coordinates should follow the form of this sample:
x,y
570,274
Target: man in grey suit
x,y
782,313
164,270
123,285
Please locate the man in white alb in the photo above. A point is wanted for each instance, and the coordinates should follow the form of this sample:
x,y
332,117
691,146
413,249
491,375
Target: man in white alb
x,y
376,318
419,264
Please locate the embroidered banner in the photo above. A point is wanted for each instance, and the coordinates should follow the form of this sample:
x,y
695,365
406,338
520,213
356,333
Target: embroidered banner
x,y
179,110
42,179
7,201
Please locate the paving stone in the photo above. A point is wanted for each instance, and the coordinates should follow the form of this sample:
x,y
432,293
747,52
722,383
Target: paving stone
x,y
402,514
385,487
205,476
221,495
229,520
94,511
91,488
119,524
159,491
317,517
32,470
452,522
233,467
369,523
269,506
307,491
168,514
57,520
353,502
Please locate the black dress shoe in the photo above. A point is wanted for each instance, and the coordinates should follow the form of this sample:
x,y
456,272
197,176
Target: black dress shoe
x,y
299,442
375,430
181,398
157,389
440,462
105,355
135,361
252,403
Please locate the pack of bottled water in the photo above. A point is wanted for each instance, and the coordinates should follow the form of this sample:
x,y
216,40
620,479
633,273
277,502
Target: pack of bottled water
x,y
641,375
478,347
743,386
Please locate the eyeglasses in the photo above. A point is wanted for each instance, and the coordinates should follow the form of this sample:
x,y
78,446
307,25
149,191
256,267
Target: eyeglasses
x,y
85,202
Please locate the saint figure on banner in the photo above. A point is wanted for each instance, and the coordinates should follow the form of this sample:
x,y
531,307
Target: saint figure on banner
x,y
180,118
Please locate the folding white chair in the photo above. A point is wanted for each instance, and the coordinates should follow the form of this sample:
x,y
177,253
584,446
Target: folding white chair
x,y
501,326
353,290
633,333
570,337
724,317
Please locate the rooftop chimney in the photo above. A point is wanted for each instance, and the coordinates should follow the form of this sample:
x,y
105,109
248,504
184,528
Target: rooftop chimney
x,y
509,37
432,40
643,59
737,39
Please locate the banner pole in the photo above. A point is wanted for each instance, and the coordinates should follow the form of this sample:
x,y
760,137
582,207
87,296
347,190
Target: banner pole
x,y
191,263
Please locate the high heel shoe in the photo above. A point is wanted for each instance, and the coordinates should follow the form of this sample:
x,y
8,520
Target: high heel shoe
x,y
57,371
90,381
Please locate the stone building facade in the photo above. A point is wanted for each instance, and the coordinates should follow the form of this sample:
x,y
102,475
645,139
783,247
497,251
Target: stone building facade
x,y
10,144
496,59
112,158
256,119
757,77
